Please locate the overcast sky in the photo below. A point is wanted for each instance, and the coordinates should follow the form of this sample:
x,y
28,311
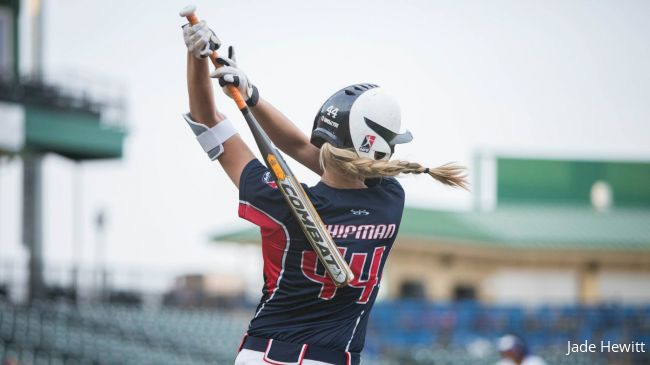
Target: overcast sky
x,y
564,78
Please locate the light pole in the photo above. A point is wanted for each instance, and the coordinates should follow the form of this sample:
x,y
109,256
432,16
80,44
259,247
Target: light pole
x,y
100,253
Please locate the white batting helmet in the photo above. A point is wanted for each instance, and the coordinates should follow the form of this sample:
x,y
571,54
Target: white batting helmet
x,y
363,117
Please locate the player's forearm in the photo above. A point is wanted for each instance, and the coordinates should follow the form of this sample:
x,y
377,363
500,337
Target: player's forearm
x,y
280,129
286,135
199,86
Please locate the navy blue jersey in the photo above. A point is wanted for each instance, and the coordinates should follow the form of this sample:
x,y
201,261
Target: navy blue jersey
x,y
300,303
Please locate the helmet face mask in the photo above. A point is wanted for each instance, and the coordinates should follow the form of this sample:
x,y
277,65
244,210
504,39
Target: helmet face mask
x,y
361,117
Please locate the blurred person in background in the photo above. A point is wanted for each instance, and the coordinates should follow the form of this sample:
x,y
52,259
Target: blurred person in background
x,y
514,351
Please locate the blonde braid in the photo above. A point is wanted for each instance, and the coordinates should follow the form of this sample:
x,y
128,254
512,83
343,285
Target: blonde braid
x,y
349,162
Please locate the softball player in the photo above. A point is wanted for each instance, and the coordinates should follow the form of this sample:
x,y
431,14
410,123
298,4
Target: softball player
x,y
302,317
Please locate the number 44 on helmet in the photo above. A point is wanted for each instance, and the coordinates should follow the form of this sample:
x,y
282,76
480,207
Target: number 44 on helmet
x,y
362,117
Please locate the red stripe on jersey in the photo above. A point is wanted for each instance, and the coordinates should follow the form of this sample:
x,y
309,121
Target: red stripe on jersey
x,y
241,344
274,243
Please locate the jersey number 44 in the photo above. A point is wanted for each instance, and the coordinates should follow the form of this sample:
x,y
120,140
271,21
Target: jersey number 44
x,y
367,281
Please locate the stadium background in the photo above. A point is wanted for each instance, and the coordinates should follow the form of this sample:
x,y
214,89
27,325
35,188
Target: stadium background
x,y
119,242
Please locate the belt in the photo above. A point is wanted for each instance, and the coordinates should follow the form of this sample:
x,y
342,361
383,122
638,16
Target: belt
x,y
285,353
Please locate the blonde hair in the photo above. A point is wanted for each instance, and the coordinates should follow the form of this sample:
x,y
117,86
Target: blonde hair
x,y
349,162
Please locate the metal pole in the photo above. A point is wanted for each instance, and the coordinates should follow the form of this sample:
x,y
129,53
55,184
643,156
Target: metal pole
x,y
36,12
476,181
2,161
77,207
33,223
100,259
3,276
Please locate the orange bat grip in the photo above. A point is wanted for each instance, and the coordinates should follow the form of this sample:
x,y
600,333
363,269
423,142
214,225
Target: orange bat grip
x,y
234,91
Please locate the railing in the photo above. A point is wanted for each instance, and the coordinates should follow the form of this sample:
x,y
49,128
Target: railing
x,y
87,283
70,92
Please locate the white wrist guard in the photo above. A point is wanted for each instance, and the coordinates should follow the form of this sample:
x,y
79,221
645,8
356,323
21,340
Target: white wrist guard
x,y
211,139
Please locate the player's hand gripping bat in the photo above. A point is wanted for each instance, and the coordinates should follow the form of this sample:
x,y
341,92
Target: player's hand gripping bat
x,y
297,200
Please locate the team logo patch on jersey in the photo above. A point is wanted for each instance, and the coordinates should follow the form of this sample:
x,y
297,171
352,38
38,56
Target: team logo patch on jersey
x,y
359,212
268,180
368,141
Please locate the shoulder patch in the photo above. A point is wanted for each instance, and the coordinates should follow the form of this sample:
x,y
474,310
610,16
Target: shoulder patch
x,y
268,180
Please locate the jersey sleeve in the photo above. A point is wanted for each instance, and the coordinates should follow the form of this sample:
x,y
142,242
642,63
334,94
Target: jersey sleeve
x,y
260,200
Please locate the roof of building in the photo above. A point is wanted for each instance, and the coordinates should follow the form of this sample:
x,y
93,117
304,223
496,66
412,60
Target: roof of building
x,y
549,227
520,226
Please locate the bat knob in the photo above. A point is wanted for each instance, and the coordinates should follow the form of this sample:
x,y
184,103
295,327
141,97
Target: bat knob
x,y
187,11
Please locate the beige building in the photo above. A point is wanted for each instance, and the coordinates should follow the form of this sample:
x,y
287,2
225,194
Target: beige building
x,y
523,254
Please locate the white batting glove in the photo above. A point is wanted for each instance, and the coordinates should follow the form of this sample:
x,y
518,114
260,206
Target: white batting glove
x,y
230,74
200,40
